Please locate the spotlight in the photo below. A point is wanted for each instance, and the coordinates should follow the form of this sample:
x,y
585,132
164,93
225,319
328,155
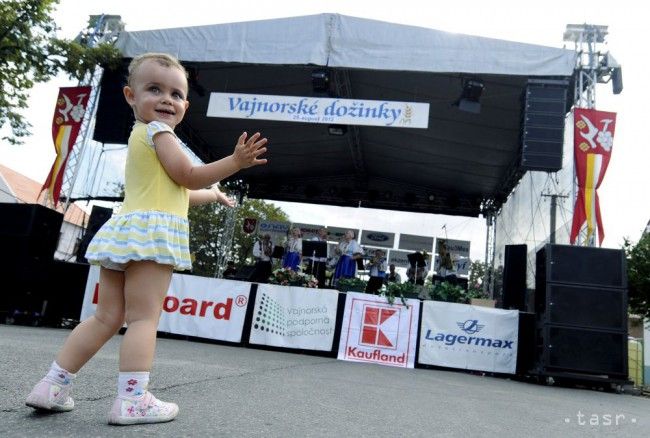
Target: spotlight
x,y
469,99
337,129
617,80
320,80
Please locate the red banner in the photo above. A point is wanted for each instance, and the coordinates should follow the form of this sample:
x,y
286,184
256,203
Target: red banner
x,y
593,139
249,225
68,115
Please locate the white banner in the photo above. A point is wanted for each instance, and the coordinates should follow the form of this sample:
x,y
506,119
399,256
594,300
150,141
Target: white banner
x,y
400,259
336,234
469,337
459,265
294,317
308,230
194,306
415,243
377,332
453,256
377,238
319,110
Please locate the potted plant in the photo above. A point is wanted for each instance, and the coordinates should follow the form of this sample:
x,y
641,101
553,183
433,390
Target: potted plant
x,y
289,277
351,285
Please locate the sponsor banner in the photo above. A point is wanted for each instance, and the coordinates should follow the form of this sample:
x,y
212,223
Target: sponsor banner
x,y
308,230
400,258
277,230
377,238
377,332
415,243
194,306
294,317
337,233
459,266
453,256
319,110
469,337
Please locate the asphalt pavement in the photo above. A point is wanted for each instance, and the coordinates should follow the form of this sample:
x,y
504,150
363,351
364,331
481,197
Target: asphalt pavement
x,y
231,391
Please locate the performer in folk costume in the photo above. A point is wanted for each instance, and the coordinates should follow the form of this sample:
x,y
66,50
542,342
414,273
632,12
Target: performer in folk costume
x,y
349,251
293,250
262,250
377,268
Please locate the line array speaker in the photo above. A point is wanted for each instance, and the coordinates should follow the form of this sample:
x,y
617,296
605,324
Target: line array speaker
x,y
98,216
545,107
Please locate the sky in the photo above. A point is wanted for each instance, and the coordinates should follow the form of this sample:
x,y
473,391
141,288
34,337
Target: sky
x,y
625,204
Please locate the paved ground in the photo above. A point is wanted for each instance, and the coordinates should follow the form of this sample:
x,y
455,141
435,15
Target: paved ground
x,y
243,392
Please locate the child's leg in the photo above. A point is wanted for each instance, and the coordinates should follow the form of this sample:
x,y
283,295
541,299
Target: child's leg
x,y
53,392
146,284
89,336
145,287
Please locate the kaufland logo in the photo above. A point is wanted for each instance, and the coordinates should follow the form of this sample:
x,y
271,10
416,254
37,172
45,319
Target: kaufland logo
x,y
380,326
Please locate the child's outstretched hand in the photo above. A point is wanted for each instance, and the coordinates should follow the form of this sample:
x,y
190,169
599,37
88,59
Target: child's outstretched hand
x,y
248,150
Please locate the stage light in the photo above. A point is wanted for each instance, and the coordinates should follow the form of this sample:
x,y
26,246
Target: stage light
x,y
617,80
320,80
337,129
469,100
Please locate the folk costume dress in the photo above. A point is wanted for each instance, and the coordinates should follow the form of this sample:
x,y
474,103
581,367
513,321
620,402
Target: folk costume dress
x,y
152,223
347,266
291,258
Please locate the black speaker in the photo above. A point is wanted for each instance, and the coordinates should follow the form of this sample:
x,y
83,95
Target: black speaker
x,y
244,273
66,301
589,306
581,308
29,234
514,277
114,116
587,351
98,216
545,107
581,265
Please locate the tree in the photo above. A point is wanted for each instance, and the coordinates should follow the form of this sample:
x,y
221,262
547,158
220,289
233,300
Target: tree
x,y
30,53
638,275
206,228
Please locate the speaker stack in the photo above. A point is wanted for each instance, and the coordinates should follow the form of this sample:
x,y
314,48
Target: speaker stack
x,y
514,277
581,313
98,216
29,234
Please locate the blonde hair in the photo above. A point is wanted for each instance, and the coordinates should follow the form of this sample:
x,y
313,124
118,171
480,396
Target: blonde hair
x,y
161,58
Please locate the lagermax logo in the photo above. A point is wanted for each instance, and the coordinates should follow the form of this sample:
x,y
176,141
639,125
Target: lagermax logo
x,y
380,326
470,326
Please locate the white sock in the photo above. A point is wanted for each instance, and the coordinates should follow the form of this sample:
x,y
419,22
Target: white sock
x,y
60,375
132,384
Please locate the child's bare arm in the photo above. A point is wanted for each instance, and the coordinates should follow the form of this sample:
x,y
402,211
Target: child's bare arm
x,y
213,194
183,172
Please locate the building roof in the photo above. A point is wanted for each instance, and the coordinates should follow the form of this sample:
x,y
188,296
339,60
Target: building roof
x,y
17,188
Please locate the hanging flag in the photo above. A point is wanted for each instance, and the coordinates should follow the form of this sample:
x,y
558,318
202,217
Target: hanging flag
x,y
68,115
593,139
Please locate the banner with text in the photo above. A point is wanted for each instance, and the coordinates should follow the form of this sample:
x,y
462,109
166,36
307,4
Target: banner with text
x,y
415,243
319,110
469,337
400,258
308,230
294,317
377,332
377,238
453,256
194,306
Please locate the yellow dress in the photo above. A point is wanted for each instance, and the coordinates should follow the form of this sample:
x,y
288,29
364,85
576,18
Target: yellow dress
x,y
152,223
